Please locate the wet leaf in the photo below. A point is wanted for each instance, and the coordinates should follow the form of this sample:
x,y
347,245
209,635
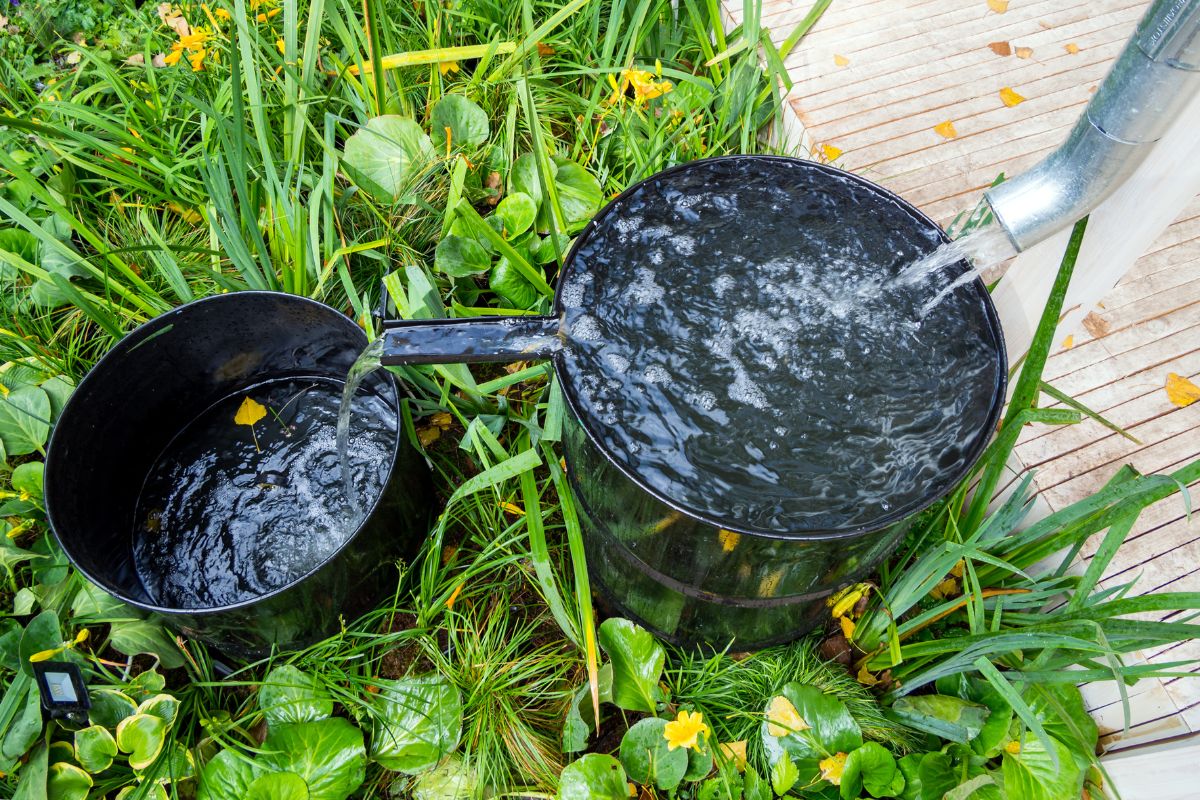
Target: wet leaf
x,y
138,636
999,6
24,420
517,212
1030,773
647,757
830,152
512,287
225,777
95,748
1024,52
329,755
873,768
637,660
109,707
949,717
1001,48
419,723
830,728
784,775
461,257
249,412
289,695
466,121
385,157
454,779
141,736
945,129
1010,98
1181,391
841,61
593,777
1071,48
67,782
277,786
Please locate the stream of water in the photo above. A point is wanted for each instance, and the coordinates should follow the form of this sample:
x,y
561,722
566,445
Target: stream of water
x,y
367,362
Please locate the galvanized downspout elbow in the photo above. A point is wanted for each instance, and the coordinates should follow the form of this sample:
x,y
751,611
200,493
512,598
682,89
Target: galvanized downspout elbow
x,y
1149,84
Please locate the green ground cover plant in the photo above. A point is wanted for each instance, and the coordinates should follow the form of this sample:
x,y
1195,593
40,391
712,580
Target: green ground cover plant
x,y
438,157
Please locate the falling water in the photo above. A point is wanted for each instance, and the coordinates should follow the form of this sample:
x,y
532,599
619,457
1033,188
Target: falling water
x,y
367,362
982,248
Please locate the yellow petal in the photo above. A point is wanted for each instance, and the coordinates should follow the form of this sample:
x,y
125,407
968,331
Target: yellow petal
x,y
1010,98
728,539
945,130
830,152
684,731
1013,747
249,412
172,58
841,61
847,627
1071,48
45,655
842,601
999,6
1181,391
735,752
783,718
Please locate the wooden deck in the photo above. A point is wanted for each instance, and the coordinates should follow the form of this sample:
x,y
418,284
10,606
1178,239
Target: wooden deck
x,y
872,80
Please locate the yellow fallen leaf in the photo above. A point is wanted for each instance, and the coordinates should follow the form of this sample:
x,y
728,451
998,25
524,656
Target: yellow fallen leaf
x,y
783,718
865,677
945,589
1010,98
945,129
1001,48
830,152
1181,391
957,569
999,6
249,412
841,61
1068,342
1071,48
735,752
427,436
1024,52
847,627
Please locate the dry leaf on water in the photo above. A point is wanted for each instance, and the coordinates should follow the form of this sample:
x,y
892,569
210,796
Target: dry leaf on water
x,y
945,129
841,61
1071,48
999,6
830,152
1010,98
1024,52
249,412
1001,48
1181,391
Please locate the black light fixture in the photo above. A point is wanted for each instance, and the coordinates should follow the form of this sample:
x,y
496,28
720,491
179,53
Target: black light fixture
x,y
64,694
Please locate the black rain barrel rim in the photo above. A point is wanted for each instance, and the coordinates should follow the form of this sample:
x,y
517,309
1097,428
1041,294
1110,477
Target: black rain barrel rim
x,y
153,328
972,456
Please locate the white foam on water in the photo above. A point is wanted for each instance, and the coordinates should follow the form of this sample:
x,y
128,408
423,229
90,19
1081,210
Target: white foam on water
x,y
617,362
723,283
656,374
644,290
585,329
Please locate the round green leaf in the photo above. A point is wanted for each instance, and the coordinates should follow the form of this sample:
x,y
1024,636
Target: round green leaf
x,y
277,786
949,717
466,121
141,736
387,155
459,256
163,706
453,779
419,723
58,389
109,707
647,758
517,212
870,767
41,634
289,695
1059,707
328,754
593,777
226,777
136,636
637,661
1031,774
95,748
700,763
579,195
830,728
27,478
508,282
546,252
67,782
24,420
524,177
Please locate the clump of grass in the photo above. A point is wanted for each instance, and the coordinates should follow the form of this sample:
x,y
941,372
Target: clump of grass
x,y
732,692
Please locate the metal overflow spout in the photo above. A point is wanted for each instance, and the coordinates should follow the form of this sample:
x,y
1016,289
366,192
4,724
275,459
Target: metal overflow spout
x,y
1151,82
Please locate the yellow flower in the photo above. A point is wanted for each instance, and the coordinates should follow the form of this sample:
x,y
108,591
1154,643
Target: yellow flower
x,y
684,730
197,60
268,15
222,14
194,40
172,58
645,88
832,768
783,718
844,601
847,627
1013,747
280,46
447,66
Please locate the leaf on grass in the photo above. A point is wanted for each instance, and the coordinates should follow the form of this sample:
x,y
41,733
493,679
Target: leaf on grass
x,y
945,129
830,152
841,61
1181,391
999,6
249,412
1001,48
735,752
1010,98
1071,48
1024,52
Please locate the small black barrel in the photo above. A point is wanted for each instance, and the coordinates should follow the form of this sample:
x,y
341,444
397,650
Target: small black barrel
x,y
151,386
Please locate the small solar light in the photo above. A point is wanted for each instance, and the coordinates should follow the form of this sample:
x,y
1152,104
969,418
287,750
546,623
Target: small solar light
x,y
64,694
